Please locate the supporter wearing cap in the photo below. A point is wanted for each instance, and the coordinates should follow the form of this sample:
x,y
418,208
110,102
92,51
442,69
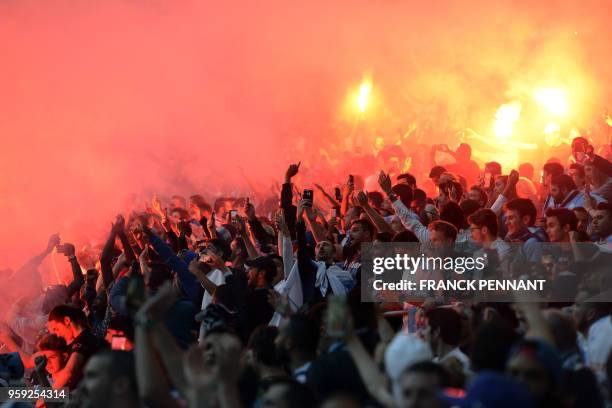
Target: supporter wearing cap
x,y
261,273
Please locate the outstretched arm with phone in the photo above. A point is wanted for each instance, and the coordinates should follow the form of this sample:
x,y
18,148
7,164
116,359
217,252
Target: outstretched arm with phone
x,y
329,198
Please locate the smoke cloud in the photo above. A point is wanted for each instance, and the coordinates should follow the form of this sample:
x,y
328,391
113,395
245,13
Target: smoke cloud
x,y
105,99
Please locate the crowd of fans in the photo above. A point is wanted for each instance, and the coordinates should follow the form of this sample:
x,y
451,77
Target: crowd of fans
x,y
236,303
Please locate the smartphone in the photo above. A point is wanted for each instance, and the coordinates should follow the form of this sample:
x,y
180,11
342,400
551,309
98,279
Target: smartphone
x,y
61,249
351,179
118,342
487,179
338,194
336,212
232,215
337,311
308,197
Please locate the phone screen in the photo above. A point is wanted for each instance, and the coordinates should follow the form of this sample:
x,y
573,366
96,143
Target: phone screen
x,y
232,215
338,194
487,179
118,342
308,195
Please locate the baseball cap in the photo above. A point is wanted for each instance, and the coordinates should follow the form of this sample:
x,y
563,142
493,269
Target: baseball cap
x,y
264,263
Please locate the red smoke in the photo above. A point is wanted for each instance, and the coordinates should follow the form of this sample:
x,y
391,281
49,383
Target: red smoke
x,y
107,98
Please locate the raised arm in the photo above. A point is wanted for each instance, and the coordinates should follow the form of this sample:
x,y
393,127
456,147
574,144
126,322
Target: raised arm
x,y
287,198
246,237
408,218
130,256
77,276
29,270
153,387
329,198
188,282
195,268
256,228
374,216
318,231
369,372
508,194
106,257
284,244
348,193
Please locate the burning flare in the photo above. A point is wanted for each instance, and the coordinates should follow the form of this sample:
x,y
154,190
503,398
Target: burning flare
x,y
364,94
552,134
505,117
554,100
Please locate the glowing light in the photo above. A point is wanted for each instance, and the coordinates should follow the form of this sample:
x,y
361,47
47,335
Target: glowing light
x,y
552,99
379,143
505,117
574,133
364,93
552,134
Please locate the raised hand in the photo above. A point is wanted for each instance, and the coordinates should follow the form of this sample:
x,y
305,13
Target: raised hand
x,y
119,225
195,268
69,249
249,210
279,220
185,228
214,261
350,186
292,171
54,240
362,199
157,206
589,201
384,181
513,177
